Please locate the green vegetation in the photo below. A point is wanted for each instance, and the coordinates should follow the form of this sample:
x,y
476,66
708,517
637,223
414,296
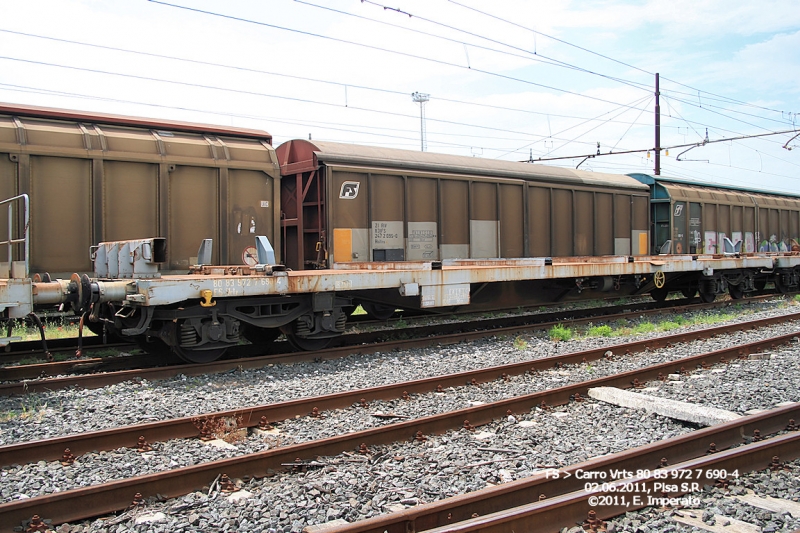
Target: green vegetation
x,y
668,325
30,407
560,333
54,328
644,327
520,344
600,331
622,327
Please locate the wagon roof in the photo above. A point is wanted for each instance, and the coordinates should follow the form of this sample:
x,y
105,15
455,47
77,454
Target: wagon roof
x,y
123,120
668,182
302,155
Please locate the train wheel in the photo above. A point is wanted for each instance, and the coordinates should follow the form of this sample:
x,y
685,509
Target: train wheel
x,y
736,291
689,292
378,311
258,335
158,348
707,297
780,287
308,345
659,295
97,329
198,356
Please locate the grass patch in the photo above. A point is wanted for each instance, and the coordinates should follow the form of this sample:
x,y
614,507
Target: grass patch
x,y
668,325
54,328
644,327
7,416
520,344
560,333
713,318
600,331
30,407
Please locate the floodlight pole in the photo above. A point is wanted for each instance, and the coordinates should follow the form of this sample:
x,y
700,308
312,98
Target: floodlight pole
x,y
421,98
657,169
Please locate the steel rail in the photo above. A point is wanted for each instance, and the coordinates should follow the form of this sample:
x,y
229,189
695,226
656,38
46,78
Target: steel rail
x,y
531,489
96,500
91,381
127,436
539,320
566,510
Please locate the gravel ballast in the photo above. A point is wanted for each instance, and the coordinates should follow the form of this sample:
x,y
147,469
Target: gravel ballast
x,y
353,487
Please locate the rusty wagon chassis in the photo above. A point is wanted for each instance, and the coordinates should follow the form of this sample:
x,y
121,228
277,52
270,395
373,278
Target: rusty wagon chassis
x,y
201,314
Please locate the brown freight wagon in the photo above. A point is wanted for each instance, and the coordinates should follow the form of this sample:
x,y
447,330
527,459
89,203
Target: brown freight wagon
x,y
345,203
94,178
696,218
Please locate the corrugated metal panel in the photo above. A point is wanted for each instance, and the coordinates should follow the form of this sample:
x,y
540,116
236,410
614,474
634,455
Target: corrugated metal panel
x,y
705,194
539,221
604,224
61,214
130,216
370,156
455,219
121,172
121,120
667,180
8,189
512,221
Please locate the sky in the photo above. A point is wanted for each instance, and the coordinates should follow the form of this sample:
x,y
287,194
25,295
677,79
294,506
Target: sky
x,y
511,79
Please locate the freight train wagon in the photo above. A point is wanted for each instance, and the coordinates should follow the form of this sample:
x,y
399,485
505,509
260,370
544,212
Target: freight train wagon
x,y
346,204
385,228
94,178
688,217
697,218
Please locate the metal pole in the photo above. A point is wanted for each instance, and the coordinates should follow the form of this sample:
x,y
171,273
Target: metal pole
x,y
657,170
421,98
421,126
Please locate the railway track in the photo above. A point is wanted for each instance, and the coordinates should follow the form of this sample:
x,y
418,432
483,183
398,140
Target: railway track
x,y
32,349
184,480
98,372
251,416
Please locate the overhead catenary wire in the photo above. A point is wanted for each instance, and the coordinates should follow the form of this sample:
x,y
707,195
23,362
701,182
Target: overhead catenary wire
x,y
598,54
282,97
403,93
388,50
632,105
301,77
636,84
325,125
528,55
527,132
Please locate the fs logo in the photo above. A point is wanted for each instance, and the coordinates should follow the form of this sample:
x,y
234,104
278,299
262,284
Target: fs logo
x,y
349,190
678,209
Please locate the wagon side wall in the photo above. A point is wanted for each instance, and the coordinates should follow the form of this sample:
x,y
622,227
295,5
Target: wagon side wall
x,y
91,182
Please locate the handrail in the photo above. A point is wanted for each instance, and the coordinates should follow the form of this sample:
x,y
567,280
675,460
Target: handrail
x,y
25,239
